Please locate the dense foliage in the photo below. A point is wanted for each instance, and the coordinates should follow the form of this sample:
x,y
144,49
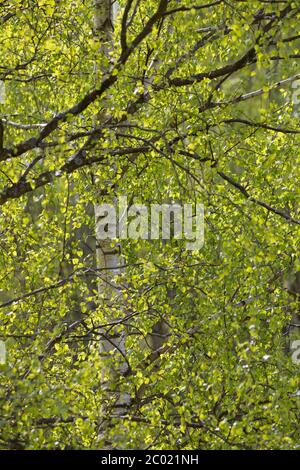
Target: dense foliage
x,y
202,100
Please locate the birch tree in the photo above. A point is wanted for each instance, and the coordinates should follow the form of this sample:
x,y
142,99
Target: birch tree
x,y
109,260
176,101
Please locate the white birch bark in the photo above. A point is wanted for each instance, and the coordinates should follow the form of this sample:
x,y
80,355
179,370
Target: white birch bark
x,y
109,260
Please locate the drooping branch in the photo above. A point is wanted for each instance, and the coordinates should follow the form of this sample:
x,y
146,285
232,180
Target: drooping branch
x,y
256,201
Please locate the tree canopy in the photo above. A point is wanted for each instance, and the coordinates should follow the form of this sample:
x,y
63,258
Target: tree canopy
x,y
199,104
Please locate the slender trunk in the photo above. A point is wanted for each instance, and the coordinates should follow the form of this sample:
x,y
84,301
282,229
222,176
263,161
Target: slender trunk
x,y
109,260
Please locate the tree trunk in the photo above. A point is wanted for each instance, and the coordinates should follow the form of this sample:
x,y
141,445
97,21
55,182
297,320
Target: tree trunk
x,y
109,262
